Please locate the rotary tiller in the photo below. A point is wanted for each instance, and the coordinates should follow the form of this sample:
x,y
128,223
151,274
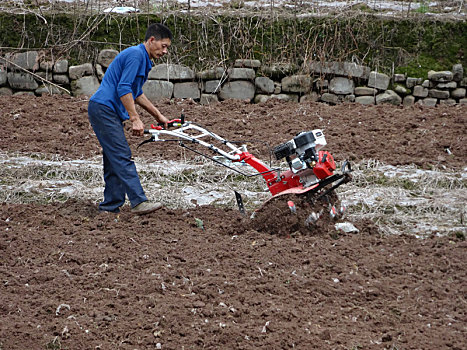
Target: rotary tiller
x,y
311,169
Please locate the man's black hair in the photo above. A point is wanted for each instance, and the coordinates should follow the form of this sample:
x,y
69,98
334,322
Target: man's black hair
x,y
158,31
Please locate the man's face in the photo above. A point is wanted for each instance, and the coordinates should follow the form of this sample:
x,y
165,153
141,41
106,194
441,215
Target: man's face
x,y
158,48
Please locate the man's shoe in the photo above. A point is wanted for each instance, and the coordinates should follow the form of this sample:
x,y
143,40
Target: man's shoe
x,y
146,207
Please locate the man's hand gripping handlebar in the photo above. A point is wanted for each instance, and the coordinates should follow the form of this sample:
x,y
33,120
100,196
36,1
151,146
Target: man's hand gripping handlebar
x,y
172,123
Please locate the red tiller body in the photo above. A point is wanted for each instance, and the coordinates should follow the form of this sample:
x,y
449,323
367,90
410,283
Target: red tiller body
x,y
277,183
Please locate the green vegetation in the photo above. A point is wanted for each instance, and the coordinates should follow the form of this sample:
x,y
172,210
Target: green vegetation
x,y
423,8
413,45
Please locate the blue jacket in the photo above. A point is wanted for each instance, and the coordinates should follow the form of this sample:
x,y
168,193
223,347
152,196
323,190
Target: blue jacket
x,y
126,74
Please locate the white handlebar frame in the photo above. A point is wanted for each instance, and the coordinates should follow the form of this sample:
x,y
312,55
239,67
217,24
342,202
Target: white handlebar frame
x,y
232,153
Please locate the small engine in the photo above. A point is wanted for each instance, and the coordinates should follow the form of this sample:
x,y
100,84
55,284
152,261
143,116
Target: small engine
x,y
304,152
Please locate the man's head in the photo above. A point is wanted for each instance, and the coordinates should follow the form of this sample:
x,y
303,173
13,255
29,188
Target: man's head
x,y
157,40
158,31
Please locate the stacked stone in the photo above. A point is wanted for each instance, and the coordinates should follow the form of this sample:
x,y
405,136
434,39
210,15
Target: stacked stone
x,y
443,87
16,81
234,83
340,79
335,82
278,81
171,81
248,80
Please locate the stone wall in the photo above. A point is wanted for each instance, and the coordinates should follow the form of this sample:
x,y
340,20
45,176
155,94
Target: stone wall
x,y
249,80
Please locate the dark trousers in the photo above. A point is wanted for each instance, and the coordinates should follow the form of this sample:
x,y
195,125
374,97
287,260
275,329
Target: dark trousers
x,y
120,173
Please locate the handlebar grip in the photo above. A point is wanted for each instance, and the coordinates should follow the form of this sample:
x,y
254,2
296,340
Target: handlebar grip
x,y
146,131
170,123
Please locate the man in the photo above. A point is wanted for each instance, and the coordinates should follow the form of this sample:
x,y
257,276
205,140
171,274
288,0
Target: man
x,y
112,104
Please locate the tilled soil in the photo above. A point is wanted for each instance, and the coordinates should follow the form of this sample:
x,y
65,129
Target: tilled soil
x,y
207,277
395,135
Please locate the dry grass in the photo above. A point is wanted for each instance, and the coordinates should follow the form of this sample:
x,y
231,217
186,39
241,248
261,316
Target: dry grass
x,y
397,199
407,199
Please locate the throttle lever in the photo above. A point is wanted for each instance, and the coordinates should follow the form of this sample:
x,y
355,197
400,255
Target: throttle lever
x,y
170,124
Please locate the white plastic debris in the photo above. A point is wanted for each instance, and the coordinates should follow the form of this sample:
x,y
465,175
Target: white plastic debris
x,y
66,306
122,9
347,227
265,327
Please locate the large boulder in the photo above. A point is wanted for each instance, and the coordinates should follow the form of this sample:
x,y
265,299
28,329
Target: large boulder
x,y
390,97
77,72
22,81
330,98
440,77
158,89
365,100
365,91
187,90
87,86
420,91
241,73
239,89
346,69
341,86
106,57
448,102
26,60
378,80
408,101
448,85
212,86
442,94
428,102
211,74
264,85
457,72
458,93
61,67
297,83
246,63
172,72
61,79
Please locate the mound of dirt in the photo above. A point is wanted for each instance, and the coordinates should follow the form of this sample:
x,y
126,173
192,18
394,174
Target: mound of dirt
x,y
290,215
